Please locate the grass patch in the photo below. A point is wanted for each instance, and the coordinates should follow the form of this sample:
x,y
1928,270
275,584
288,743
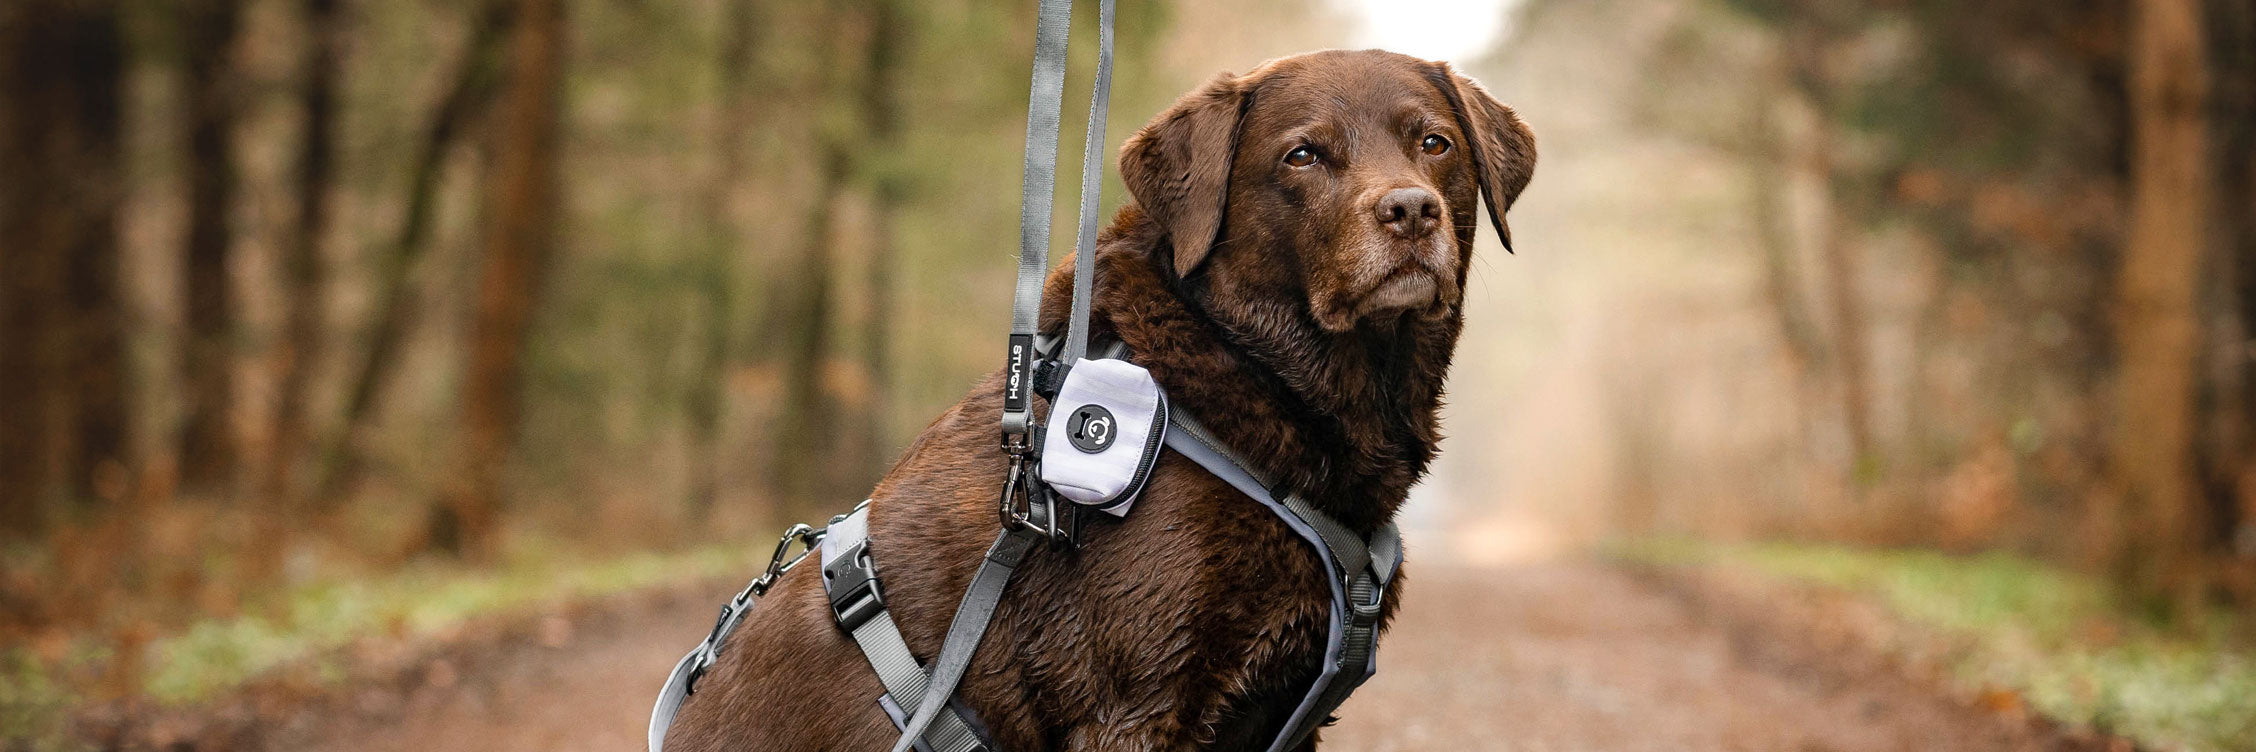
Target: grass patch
x,y
31,704
315,621
215,656
2062,640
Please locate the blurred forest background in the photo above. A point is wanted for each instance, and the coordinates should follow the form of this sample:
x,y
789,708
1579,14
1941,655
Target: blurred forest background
x,y
307,291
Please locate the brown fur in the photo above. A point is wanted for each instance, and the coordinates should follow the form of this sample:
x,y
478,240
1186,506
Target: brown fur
x,y
1197,621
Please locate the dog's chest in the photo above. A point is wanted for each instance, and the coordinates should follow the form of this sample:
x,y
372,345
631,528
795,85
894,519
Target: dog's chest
x,y
1201,598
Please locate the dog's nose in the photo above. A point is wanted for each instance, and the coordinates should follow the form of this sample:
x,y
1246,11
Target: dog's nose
x,y
1409,213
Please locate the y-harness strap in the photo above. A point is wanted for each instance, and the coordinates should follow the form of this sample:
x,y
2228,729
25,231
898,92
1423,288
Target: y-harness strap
x,y
1357,571
1358,575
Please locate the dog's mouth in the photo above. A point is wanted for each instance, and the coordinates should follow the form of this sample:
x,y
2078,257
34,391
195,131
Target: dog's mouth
x,y
1410,287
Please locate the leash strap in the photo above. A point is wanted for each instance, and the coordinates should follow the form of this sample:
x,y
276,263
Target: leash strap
x,y
1045,103
968,628
1092,188
1359,574
857,601
1038,186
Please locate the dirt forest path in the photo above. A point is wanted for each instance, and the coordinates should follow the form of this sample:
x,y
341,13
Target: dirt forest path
x,y
1551,657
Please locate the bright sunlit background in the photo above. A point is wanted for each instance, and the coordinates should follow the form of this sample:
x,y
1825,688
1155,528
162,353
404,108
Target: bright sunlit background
x,y
1455,30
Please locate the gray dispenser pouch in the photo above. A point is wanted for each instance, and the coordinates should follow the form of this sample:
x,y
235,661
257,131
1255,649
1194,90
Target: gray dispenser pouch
x,y
1105,430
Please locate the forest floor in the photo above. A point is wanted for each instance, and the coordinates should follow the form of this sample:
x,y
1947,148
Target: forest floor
x,y
1568,655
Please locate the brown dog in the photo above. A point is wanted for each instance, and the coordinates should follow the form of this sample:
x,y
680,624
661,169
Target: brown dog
x,y
1293,276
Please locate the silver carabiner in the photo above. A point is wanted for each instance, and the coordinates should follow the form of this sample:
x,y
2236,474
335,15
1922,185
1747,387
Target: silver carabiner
x,y
1017,505
1008,507
806,536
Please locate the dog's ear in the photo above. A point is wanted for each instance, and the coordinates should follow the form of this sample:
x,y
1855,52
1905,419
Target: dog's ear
x,y
1503,148
1178,167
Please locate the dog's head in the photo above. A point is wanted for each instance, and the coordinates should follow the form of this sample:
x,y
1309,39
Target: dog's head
x,y
1350,176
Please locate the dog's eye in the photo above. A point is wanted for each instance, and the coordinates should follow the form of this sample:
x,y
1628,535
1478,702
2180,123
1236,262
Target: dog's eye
x,y
1434,145
1301,156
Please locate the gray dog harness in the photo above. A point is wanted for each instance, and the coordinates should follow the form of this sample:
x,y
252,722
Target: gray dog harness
x,y
1101,401
1357,571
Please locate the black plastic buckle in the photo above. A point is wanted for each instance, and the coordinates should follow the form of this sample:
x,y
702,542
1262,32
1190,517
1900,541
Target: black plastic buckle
x,y
1049,377
855,597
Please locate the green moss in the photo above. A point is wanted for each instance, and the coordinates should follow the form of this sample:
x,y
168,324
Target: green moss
x,y
32,705
2061,640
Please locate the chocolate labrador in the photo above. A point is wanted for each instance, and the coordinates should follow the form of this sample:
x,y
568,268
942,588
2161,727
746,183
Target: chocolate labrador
x,y
1292,273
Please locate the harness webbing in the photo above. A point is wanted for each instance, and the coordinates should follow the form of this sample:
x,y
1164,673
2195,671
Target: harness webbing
x,y
857,602
1358,575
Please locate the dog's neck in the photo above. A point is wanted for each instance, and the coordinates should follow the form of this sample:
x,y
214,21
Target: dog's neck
x,y
1348,420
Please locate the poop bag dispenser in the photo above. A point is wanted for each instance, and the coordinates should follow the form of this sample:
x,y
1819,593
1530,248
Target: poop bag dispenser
x,y
1105,429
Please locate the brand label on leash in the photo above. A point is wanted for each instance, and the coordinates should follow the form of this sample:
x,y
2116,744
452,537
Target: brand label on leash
x,y
1020,374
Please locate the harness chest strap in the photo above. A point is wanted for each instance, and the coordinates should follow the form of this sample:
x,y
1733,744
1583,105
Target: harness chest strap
x,y
1358,575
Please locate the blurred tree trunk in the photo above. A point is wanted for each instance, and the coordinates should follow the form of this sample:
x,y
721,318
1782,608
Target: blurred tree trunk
x,y
2159,519
2242,536
807,442
62,347
806,439
303,267
1805,46
887,47
708,397
1782,285
28,273
2233,38
522,204
210,96
1768,157
467,98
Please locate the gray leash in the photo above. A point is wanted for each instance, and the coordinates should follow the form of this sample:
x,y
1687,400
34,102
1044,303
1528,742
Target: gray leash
x,y
965,632
1092,185
1044,104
